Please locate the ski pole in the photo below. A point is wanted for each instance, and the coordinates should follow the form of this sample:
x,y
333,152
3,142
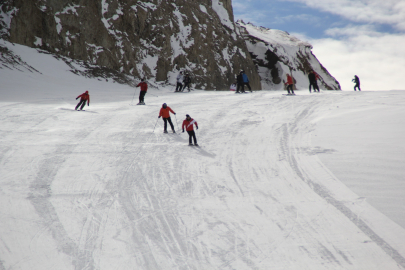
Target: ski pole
x,y
155,125
176,122
133,97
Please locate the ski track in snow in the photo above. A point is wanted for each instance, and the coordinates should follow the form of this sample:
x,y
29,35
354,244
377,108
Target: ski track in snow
x,y
102,191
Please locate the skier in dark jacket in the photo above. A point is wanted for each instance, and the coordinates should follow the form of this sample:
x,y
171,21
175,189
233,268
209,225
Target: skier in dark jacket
x,y
356,80
312,81
142,93
239,80
83,98
188,124
187,81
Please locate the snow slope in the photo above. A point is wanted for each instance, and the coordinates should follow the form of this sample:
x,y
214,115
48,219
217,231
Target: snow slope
x,y
100,190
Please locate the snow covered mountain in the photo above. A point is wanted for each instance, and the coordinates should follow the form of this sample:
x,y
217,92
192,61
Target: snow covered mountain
x,y
106,189
152,39
276,53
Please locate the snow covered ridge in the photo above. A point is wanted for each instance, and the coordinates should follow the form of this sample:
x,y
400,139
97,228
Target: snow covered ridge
x,y
153,39
277,53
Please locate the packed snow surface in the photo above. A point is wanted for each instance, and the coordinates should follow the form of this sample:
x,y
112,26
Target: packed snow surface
x,y
105,189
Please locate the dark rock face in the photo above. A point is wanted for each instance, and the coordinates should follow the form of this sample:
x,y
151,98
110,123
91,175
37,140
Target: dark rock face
x,y
276,53
153,39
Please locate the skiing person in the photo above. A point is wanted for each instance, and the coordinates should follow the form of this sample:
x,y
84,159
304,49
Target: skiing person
x,y
290,84
142,93
312,81
83,98
187,81
245,81
188,123
356,80
233,86
179,81
165,113
239,80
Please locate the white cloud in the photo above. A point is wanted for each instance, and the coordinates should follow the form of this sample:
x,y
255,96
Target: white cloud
x,y
390,12
377,58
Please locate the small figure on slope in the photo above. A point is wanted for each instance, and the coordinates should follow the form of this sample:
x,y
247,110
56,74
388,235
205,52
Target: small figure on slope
x,y
83,98
179,81
165,113
312,81
188,123
142,93
239,80
233,86
187,81
245,81
290,84
356,80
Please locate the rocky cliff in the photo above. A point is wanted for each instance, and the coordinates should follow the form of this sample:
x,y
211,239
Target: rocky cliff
x,y
276,53
153,39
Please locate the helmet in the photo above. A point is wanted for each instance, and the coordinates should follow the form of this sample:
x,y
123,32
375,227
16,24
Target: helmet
x,y
164,105
188,115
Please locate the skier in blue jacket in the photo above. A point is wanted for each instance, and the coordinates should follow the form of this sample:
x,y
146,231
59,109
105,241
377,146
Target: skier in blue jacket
x,y
245,81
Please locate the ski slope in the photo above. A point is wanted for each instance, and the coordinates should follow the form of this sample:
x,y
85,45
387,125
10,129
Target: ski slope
x,y
101,189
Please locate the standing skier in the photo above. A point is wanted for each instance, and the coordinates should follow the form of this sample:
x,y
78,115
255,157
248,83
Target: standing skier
x,y
312,81
245,81
187,81
233,86
239,80
356,80
188,123
179,82
165,113
290,84
142,93
83,98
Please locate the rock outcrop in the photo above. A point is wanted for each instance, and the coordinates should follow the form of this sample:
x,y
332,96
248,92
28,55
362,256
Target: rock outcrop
x,y
153,39
276,53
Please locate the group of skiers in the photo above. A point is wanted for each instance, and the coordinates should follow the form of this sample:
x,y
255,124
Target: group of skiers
x,y
313,82
183,82
187,123
242,80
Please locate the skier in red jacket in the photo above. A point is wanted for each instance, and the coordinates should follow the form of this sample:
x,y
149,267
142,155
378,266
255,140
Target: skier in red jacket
x,y
83,98
290,84
165,113
188,123
144,88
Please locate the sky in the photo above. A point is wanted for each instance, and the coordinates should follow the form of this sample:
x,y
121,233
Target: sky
x,y
349,37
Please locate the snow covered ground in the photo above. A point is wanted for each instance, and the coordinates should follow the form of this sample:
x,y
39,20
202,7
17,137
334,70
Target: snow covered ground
x,y
267,189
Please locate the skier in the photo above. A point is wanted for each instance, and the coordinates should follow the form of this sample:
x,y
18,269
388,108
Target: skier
x,y
312,81
187,81
245,81
290,84
233,86
356,80
83,98
142,93
179,82
239,80
188,123
165,113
